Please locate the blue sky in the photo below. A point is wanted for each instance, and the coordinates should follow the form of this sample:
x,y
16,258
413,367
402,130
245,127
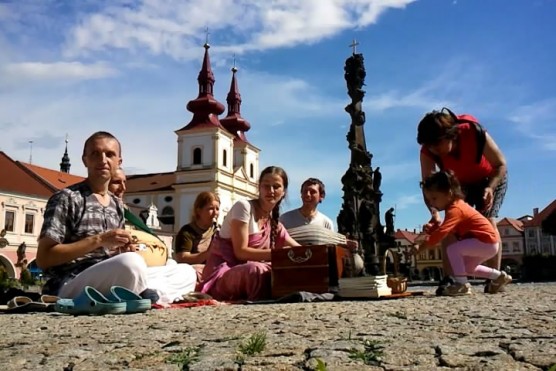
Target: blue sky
x,y
130,67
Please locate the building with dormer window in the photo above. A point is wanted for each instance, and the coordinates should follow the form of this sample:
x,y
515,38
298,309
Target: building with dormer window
x,y
537,241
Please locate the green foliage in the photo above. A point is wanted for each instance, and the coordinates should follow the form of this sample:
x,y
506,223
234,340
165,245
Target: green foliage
x,y
253,345
5,281
3,273
239,359
552,368
185,358
26,278
371,355
321,365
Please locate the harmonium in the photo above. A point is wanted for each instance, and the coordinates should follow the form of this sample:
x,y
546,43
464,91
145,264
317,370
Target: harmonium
x,y
312,268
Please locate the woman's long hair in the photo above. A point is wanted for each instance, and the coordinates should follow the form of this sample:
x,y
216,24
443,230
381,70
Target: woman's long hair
x,y
275,214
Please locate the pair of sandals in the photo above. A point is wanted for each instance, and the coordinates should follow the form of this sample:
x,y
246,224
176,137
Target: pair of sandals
x,y
92,302
24,304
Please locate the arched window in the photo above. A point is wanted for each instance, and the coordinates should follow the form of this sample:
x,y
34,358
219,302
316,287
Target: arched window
x,y
225,158
251,171
197,156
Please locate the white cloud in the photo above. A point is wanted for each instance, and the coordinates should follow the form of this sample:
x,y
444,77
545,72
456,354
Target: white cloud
x,y
406,201
536,121
173,27
413,99
59,71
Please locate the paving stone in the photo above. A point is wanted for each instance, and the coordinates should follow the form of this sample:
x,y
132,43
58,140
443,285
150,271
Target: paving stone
x,y
509,331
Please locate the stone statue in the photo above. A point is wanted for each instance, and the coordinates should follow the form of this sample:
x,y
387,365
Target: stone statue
x,y
355,76
389,219
377,179
346,219
3,241
21,255
366,213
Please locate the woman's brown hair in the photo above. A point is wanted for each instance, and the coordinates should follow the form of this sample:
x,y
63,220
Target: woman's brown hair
x,y
444,182
435,126
275,214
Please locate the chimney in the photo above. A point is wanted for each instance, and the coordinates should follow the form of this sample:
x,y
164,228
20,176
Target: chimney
x,y
535,211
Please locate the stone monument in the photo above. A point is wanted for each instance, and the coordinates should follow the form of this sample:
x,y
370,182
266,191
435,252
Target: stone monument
x,y
359,217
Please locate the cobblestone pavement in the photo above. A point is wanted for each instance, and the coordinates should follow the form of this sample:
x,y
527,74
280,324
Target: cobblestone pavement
x,y
509,331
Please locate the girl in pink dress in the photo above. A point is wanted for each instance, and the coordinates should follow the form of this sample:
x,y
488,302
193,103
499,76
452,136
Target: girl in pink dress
x,y
238,266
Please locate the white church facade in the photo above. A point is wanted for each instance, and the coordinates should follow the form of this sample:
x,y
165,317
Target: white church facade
x,y
212,155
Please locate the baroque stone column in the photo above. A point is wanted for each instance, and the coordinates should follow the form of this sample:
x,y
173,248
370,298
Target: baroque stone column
x,y
359,217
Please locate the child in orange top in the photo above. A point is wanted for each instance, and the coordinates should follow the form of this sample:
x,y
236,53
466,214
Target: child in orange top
x,y
477,238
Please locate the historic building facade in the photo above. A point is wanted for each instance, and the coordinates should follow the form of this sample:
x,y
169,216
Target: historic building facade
x,y
212,155
537,241
24,190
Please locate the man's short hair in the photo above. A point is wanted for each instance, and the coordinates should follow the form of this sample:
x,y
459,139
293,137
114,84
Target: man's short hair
x,y
100,135
315,181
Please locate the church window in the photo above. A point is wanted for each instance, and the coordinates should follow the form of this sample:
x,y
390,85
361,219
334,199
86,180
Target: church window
x,y
136,201
168,198
167,211
225,158
197,155
251,171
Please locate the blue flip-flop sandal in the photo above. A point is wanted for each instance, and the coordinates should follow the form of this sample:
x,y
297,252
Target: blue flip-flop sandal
x,y
90,301
134,303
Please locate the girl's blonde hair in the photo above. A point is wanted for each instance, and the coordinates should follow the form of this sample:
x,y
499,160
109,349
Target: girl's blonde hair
x,y
203,199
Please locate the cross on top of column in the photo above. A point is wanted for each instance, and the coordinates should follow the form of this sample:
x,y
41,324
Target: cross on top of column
x,y
353,45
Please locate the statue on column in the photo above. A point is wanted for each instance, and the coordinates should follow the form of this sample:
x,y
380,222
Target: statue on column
x,y
389,220
3,241
360,213
21,255
377,179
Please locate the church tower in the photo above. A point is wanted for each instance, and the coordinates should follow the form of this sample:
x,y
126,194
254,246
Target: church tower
x,y
246,156
65,164
207,151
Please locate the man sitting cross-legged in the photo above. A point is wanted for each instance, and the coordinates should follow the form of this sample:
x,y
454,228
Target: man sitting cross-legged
x,y
83,241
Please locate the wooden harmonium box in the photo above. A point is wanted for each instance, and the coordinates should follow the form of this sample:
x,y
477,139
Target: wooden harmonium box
x,y
312,268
